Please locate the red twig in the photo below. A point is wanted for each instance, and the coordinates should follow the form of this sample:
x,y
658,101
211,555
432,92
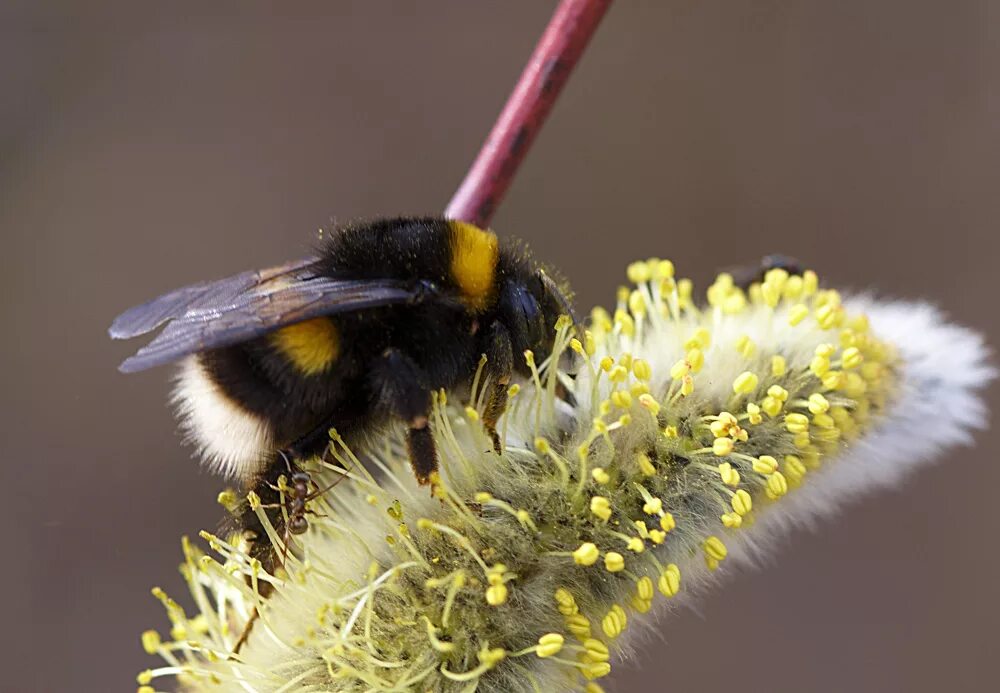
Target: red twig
x,y
554,58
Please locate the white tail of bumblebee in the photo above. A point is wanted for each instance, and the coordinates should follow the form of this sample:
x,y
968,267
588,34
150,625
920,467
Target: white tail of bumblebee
x,y
698,434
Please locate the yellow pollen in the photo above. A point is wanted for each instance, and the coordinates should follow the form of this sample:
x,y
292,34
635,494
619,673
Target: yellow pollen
x,y
778,365
731,520
587,554
734,303
597,670
796,423
810,282
601,507
663,269
642,369
833,380
742,502
614,562
745,346
826,316
649,403
151,641
765,464
818,404
550,644
701,339
771,293
496,594
852,357
621,399
778,392
565,602
794,469
745,383
771,406
793,287
855,386
730,477
618,374
667,522
669,583
595,650
715,549
680,369
614,622
578,625
777,486
722,447
645,464
639,272
797,314
644,589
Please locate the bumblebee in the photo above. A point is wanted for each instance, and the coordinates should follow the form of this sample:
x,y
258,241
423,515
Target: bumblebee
x,y
353,339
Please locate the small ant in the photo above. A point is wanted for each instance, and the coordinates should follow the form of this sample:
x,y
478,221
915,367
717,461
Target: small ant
x,y
298,497
297,523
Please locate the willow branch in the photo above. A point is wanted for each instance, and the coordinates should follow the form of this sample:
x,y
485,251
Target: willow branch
x,y
543,78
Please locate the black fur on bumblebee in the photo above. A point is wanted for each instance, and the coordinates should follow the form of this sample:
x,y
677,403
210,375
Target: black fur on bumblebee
x,y
359,336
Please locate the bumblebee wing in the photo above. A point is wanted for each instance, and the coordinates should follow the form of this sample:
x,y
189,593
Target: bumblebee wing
x,y
148,316
247,305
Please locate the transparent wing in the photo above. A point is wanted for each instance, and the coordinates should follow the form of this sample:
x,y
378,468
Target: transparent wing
x,y
225,312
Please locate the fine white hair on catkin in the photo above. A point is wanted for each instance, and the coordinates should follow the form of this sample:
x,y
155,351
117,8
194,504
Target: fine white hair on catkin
x,y
937,406
697,435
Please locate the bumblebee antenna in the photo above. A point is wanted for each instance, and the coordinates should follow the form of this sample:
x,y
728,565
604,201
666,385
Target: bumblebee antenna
x,y
537,89
557,293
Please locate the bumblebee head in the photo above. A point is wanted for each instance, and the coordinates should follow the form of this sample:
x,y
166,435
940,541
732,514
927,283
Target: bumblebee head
x,y
530,308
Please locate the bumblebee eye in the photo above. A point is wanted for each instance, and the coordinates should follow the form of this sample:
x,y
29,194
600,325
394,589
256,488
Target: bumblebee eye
x,y
555,299
522,315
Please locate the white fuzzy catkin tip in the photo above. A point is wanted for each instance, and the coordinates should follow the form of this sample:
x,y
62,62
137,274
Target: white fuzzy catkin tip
x,y
697,434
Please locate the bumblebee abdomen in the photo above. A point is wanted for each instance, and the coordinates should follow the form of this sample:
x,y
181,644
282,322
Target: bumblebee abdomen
x,y
228,436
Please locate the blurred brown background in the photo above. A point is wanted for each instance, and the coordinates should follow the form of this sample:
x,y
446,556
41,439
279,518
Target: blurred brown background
x,y
147,145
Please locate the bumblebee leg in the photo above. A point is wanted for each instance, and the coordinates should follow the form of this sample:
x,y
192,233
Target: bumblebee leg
x,y
399,384
265,485
423,455
499,366
260,546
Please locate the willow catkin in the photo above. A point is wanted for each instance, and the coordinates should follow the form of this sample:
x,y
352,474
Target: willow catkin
x,y
696,435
